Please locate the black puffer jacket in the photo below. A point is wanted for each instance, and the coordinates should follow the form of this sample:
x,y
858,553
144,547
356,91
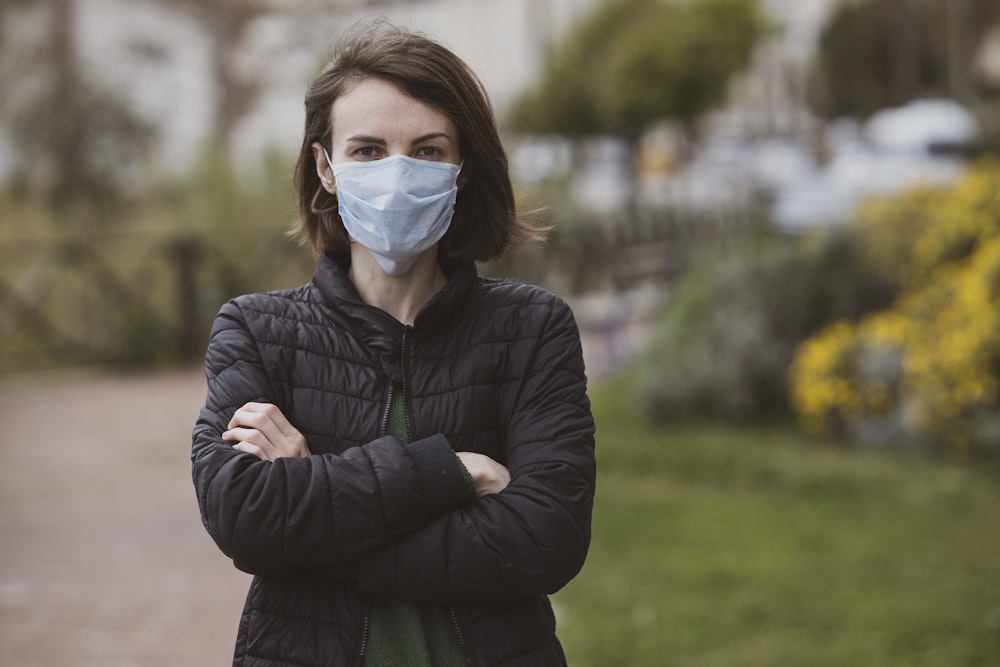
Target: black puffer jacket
x,y
490,366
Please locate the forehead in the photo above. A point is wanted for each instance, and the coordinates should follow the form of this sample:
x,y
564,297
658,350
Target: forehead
x,y
377,108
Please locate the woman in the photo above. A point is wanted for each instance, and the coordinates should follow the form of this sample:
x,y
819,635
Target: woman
x,y
400,452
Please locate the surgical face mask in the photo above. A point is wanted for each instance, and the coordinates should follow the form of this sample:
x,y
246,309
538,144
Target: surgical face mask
x,y
396,207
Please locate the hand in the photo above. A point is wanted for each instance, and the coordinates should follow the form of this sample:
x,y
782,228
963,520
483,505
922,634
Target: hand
x,y
488,475
260,429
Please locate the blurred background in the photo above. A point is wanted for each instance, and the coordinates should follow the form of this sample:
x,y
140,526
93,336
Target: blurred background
x,y
778,223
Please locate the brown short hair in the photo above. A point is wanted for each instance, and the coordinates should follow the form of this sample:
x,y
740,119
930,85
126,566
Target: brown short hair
x,y
485,222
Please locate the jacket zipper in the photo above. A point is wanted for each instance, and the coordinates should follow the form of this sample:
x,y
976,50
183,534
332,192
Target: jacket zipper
x,y
388,406
404,369
409,435
364,637
461,637
383,430
408,426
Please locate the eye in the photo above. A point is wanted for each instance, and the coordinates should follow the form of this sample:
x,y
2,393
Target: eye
x,y
428,153
367,153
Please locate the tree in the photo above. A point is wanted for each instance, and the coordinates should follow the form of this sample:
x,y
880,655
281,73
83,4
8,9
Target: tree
x,y
226,21
881,53
75,142
631,63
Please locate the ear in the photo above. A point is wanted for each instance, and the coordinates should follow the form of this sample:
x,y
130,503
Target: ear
x,y
323,170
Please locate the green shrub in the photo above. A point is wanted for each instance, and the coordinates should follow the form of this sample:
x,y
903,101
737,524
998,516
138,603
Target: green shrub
x,y
141,287
728,332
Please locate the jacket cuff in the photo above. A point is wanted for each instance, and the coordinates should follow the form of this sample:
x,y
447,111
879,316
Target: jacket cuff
x,y
446,481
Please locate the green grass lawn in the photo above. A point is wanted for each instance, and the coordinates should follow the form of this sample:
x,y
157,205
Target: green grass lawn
x,y
749,547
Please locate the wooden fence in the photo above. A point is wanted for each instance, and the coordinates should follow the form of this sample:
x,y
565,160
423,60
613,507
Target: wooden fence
x,y
125,299
145,298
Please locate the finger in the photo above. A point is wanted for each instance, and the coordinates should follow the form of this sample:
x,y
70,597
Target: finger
x,y
242,414
249,436
249,448
236,434
276,417
260,421
266,417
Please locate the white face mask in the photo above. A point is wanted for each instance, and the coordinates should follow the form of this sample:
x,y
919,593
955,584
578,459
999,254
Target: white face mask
x,y
396,207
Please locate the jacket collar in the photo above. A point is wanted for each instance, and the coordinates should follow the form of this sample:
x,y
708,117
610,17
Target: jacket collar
x,y
376,329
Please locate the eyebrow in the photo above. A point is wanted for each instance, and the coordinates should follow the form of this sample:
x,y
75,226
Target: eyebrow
x,y
367,139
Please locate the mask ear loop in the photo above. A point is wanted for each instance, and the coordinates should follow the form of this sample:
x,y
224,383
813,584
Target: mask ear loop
x,y
331,187
326,188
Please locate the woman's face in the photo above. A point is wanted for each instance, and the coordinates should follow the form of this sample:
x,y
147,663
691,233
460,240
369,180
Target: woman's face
x,y
375,119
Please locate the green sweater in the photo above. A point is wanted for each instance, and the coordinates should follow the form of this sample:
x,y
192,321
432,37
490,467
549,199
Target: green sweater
x,y
402,633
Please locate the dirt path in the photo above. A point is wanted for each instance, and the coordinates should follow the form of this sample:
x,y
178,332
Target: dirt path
x,y
103,559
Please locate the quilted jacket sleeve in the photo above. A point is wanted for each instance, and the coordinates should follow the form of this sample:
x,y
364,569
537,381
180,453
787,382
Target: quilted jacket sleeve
x,y
305,513
532,537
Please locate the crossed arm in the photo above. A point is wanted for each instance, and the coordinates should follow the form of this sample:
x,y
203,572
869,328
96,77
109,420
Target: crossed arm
x,y
262,430
375,512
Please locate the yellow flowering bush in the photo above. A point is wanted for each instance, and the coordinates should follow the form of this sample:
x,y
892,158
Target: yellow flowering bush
x,y
847,373
887,226
962,221
926,370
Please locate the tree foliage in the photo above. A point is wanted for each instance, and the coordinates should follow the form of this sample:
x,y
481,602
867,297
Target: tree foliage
x,y
881,53
632,62
74,141
77,143
226,21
